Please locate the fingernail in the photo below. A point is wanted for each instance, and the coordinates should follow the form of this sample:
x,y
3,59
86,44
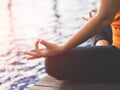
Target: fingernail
x,y
41,41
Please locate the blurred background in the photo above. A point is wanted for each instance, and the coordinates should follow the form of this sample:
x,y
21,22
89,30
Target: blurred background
x,y
22,22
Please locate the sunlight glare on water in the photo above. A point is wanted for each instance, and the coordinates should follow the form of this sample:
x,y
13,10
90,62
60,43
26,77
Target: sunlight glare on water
x,y
22,22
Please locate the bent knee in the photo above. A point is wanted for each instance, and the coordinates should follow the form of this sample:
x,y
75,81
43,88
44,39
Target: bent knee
x,y
54,69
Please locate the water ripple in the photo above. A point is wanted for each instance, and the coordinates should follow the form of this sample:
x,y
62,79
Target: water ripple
x,y
22,22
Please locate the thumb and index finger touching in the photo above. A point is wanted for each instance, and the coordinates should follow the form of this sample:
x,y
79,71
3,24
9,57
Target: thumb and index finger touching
x,y
90,14
42,42
41,51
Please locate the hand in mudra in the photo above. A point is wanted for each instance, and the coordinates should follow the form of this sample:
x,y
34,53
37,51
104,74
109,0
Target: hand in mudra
x,y
50,50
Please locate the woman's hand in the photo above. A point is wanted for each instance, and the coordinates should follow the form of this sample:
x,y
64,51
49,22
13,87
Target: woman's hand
x,y
90,14
50,50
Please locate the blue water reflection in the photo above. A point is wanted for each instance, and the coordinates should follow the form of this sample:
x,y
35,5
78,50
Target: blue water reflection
x,y
24,21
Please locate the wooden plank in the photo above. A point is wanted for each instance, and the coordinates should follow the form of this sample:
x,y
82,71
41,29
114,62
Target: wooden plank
x,y
50,83
42,88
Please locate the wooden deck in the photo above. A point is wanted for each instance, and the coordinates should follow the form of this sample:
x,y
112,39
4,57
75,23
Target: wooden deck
x,y
50,83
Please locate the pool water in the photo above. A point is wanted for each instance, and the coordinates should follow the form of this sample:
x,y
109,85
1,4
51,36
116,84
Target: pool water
x,y
22,22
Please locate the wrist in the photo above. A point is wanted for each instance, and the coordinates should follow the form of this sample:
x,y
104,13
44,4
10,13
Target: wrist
x,y
62,48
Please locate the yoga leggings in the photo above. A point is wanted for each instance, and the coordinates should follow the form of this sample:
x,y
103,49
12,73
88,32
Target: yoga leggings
x,y
86,64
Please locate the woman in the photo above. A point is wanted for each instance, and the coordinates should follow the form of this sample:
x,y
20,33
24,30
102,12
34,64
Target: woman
x,y
98,63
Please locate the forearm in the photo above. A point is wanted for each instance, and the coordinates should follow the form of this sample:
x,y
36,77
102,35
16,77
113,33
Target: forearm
x,y
91,28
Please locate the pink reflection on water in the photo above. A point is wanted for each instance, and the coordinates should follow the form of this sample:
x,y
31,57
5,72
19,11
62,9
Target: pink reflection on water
x,y
10,15
6,32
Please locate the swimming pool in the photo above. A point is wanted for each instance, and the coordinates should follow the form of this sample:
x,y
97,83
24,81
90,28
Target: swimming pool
x,y
24,21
